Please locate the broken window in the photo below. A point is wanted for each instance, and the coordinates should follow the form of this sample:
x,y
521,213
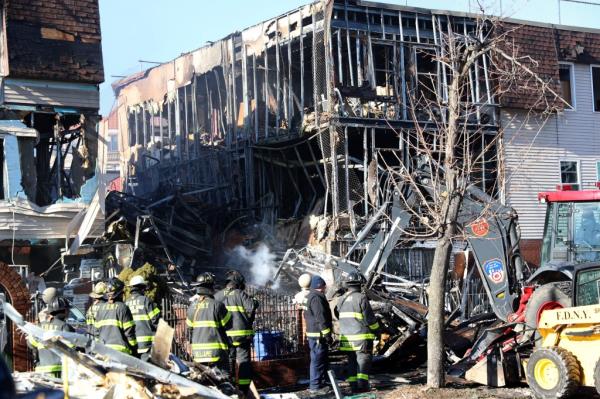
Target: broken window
x,y
596,87
139,127
383,58
567,81
131,127
426,69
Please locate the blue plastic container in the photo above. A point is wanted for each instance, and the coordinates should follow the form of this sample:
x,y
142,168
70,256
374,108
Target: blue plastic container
x,y
267,344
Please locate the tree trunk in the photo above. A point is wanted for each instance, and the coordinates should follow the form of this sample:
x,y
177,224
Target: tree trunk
x,y
436,374
435,319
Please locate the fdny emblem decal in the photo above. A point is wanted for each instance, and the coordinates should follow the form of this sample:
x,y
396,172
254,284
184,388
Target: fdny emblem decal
x,y
494,269
480,227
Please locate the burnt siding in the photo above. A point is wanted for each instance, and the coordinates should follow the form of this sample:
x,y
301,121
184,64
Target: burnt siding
x,y
54,40
582,47
533,152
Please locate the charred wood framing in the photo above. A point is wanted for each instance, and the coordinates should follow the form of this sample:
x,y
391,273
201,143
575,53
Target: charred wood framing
x,y
307,105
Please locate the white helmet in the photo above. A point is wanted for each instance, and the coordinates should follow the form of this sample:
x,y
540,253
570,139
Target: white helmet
x,y
137,280
304,280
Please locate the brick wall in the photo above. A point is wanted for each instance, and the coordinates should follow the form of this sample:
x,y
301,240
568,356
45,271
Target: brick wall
x,y
54,40
530,250
18,294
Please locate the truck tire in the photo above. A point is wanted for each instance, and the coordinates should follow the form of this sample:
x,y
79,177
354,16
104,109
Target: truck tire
x,y
546,297
553,373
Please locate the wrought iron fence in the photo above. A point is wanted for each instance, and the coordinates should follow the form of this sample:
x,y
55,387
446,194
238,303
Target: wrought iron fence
x,y
174,311
277,326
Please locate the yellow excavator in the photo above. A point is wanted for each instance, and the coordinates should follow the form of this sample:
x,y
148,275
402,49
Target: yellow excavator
x,y
568,354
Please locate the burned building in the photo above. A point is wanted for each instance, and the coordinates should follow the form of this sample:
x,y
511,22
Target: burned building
x,y
50,70
293,116
305,113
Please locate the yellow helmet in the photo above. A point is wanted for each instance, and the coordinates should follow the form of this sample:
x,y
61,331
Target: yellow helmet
x,y
99,290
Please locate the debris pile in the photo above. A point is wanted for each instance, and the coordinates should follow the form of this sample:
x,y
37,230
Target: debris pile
x,y
89,366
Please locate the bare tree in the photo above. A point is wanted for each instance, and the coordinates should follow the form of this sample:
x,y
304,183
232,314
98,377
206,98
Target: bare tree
x,y
453,110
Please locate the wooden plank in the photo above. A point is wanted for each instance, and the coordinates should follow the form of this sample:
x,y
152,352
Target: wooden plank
x,y
161,347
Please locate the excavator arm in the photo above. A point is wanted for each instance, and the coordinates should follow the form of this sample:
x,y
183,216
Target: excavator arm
x,y
491,230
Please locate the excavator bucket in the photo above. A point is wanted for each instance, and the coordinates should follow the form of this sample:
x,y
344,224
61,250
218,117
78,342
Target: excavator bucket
x,y
495,370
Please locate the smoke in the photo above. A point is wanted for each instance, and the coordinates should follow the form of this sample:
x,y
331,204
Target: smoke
x,y
261,262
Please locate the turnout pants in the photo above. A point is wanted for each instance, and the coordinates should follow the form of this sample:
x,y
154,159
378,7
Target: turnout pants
x,y
319,363
240,354
222,364
359,367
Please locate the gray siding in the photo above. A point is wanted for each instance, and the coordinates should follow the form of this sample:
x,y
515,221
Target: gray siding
x,y
58,94
533,149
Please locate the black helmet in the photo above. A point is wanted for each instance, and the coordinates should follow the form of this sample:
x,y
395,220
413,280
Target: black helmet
x,y
233,276
114,288
354,279
206,280
57,304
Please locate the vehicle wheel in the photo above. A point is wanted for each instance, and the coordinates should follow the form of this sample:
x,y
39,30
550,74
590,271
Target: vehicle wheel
x,y
546,297
597,376
553,373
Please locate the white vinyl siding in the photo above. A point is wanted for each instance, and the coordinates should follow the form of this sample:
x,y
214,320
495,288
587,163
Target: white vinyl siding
x,y
532,152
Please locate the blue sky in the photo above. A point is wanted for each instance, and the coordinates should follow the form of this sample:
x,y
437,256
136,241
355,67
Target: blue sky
x,y
160,30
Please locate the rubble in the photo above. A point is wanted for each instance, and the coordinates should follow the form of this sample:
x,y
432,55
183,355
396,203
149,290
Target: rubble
x,y
107,370
285,133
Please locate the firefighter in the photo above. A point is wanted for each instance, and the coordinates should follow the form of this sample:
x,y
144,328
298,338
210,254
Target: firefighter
x,y
243,309
208,321
358,326
145,314
97,296
48,296
318,330
56,313
114,323
300,297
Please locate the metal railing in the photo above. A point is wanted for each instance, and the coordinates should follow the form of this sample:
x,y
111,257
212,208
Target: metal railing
x,y
277,325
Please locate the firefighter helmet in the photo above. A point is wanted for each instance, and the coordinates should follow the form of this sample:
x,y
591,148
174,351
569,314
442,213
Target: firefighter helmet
x,y
137,281
99,290
234,276
57,305
49,294
205,280
304,280
114,288
355,279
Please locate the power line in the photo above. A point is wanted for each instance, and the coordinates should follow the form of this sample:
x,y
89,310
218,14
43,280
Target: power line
x,y
586,2
581,2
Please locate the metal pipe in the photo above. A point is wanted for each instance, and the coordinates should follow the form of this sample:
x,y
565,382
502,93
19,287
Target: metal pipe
x,y
301,71
266,91
255,95
277,63
290,112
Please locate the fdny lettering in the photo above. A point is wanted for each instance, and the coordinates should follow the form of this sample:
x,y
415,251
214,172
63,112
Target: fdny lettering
x,y
571,314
